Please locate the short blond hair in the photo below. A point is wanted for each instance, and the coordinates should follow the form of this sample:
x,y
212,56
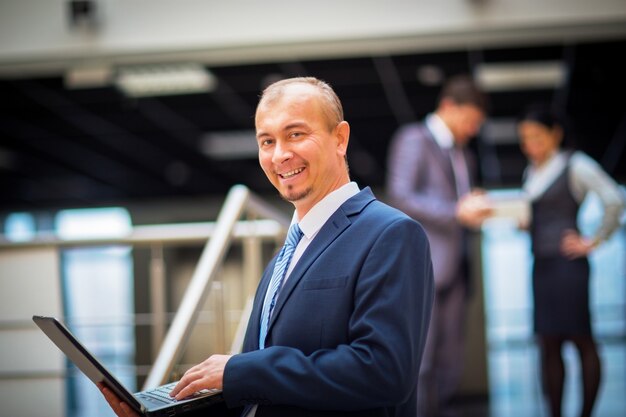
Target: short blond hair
x,y
331,105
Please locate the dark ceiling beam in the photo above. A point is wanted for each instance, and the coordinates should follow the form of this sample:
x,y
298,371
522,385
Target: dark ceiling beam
x,y
394,90
30,178
490,164
562,94
615,148
233,104
135,150
34,181
77,158
293,69
186,137
170,121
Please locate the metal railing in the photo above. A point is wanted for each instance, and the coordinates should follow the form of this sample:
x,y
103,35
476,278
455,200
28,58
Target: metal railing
x,y
243,217
239,200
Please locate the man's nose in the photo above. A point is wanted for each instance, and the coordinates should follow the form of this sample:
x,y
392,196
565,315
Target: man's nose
x,y
282,152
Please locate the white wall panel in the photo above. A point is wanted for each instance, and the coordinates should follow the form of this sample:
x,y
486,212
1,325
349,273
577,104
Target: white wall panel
x,y
29,283
17,399
38,32
29,362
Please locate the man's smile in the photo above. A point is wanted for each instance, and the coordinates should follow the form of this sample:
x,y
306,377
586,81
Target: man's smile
x,y
289,174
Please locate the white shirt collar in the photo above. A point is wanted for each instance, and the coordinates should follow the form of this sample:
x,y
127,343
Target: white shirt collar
x,y
440,131
321,212
540,178
313,221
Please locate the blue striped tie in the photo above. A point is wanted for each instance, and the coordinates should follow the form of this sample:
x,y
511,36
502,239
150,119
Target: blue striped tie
x,y
280,268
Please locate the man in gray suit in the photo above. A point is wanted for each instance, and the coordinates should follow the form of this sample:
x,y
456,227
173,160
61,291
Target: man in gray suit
x,y
430,175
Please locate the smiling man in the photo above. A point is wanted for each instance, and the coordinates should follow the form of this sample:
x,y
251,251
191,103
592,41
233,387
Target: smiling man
x,y
302,146
341,313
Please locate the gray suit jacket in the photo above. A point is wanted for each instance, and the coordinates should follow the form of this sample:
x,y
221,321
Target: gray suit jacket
x,y
420,182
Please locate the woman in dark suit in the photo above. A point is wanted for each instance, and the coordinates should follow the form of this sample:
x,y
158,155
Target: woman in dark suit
x,y
557,181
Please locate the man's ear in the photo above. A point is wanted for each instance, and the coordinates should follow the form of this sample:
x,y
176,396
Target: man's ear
x,y
342,134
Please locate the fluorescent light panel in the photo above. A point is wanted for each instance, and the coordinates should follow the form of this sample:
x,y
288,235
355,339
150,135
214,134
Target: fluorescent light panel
x,y
237,144
166,79
88,76
529,75
501,131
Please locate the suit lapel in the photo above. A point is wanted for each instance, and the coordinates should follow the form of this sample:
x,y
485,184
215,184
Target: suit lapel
x,y
334,226
251,340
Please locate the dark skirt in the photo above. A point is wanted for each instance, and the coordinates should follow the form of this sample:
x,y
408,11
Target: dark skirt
x,y
561,296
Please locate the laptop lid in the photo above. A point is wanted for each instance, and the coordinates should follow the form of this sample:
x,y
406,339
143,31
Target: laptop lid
x,y
96,372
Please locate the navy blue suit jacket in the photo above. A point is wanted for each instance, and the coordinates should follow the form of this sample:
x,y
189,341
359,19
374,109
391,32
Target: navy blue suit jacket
x,y
349,326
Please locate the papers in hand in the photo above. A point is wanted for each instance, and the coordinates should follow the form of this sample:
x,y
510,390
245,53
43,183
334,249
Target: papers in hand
x,y
512,205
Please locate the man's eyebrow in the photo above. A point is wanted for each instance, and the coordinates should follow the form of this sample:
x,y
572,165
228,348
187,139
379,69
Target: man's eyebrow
x,y
294,125
290,126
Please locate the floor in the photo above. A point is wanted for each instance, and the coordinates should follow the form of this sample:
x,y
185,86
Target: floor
x,y
516,390
519,394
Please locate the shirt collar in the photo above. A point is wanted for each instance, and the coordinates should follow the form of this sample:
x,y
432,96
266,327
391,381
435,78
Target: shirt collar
x,y
440,131
321,212
539,178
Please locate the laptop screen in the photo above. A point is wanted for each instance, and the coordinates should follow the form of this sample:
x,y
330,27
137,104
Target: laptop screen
x,y
82,358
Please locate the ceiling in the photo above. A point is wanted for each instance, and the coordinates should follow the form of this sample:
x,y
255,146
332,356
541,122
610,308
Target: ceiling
x,y
81,147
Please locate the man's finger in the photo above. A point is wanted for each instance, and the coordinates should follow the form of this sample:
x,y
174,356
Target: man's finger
x,y
119,407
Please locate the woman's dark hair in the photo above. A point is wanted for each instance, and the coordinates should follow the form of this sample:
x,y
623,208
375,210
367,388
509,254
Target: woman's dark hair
x,y
541,113
549,117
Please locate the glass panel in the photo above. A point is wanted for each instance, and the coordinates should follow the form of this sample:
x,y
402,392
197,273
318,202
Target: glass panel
x,y
98,302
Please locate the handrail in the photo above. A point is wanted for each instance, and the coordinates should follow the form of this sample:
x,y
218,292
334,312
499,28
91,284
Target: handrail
x,y
238,201
148,235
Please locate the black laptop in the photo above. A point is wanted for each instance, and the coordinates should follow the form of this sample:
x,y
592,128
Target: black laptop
x,y
154,402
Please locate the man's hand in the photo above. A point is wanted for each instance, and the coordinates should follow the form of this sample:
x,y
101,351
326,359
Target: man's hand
x,y
206,375
473,209
120,408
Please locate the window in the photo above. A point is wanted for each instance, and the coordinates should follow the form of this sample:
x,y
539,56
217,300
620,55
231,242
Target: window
x,y
19,227
98,301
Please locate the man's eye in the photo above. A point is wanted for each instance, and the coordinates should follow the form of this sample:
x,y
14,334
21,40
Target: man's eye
x,y
295,134
266,142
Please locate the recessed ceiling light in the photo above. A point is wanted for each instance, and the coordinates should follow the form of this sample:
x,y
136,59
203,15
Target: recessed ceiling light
x,y
91,75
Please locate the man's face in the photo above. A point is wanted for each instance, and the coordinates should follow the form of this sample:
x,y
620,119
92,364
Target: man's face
x,y
465,122
300,154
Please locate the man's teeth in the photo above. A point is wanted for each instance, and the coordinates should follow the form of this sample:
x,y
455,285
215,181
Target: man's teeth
x,y
291,173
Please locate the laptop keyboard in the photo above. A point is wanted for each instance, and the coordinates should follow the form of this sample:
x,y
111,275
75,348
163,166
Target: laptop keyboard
x,y
162,393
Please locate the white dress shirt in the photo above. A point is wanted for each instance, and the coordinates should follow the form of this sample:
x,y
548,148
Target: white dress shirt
x,y
445,139
311,225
